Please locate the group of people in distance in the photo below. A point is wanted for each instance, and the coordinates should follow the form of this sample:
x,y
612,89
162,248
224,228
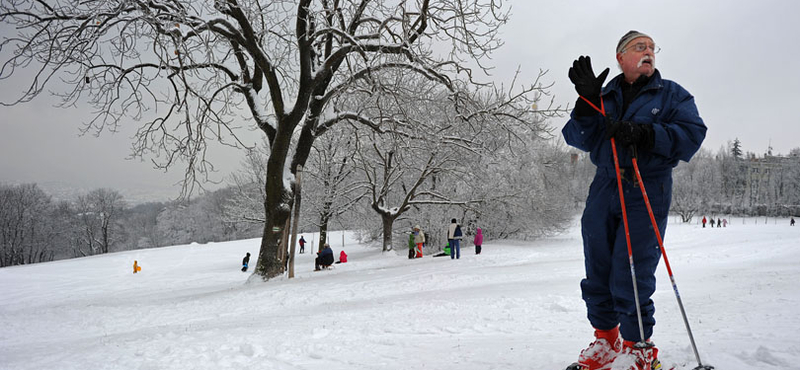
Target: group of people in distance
x,y
724,222
323,260
720,223
416,242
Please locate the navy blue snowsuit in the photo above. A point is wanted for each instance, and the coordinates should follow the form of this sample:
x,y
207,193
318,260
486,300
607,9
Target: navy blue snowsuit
x,y
679,131
324,258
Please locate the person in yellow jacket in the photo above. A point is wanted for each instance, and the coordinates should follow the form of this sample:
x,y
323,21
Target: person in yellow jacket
x,y
136,267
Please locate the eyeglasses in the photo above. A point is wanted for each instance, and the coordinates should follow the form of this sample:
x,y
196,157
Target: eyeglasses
x,y
640,47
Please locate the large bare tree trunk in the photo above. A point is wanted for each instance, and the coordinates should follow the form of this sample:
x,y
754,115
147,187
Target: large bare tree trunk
x,y
277,207
388,221
324,219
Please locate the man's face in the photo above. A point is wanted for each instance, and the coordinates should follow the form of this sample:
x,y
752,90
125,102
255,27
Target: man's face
x,y
638,58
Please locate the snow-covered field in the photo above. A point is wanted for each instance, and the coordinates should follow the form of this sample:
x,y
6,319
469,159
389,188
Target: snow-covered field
x,y
516,306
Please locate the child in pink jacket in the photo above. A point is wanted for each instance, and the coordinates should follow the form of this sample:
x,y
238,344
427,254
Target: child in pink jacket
x,y
478,241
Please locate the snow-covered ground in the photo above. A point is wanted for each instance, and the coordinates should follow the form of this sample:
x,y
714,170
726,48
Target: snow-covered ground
x,y
515,306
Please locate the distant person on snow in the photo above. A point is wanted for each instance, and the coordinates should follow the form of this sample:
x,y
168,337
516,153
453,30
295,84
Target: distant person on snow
x,y
712,222
342,257
454,236
724,222
478,241
245,262
704,221
791,222
719,223
302,244
324,258
136,267
656,121
445,252
419,241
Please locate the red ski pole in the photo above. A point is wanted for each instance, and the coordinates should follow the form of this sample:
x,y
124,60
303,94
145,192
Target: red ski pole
x,y
700,365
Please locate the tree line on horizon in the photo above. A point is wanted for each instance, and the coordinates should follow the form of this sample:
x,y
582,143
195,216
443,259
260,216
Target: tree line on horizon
x,y
730,181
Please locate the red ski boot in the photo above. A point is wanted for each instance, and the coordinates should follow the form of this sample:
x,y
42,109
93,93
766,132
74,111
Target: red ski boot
x,y
600,353
637,356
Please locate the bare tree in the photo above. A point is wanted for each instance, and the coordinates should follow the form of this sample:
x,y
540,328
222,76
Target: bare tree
x,y
100,211
249,191
141,223
333,187
523,192
198,63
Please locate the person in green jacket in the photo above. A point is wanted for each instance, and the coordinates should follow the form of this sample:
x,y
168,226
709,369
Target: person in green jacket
x,y
445,252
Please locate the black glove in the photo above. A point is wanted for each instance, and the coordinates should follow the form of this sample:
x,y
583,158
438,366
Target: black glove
x,y
631,134
586,84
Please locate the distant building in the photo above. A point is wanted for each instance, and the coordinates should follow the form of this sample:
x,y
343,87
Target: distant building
x,y
766,180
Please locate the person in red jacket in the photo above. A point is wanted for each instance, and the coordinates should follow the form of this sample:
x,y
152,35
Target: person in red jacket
x,y
342,257
704,221
302,244
478,241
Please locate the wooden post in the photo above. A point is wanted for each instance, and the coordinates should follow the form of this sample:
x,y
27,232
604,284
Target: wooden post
x,y
285,242
297,197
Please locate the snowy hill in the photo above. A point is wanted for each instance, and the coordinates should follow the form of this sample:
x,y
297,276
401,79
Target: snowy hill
x,y
516,306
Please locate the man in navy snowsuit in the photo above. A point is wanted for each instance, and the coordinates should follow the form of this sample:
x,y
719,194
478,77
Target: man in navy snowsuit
x,y
657,121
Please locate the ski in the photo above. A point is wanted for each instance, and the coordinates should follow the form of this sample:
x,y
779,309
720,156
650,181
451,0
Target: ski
x,y
577,366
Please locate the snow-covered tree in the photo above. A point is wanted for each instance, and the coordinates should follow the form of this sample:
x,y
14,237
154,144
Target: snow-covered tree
x,y
524,192
202,219
697,186
100,213
331,186
736,148
426,138
249,191
25,230
141,224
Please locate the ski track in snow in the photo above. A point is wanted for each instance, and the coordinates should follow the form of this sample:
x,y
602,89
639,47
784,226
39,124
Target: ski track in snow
x,y
515,306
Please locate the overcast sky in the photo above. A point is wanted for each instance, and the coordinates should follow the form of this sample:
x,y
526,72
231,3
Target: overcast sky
x,y
739,60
